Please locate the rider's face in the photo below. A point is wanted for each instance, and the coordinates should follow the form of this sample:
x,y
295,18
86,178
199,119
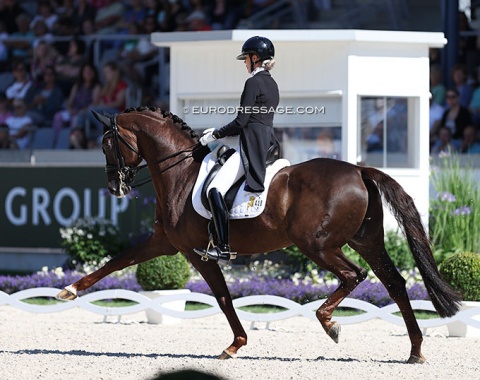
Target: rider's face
x,y
247,61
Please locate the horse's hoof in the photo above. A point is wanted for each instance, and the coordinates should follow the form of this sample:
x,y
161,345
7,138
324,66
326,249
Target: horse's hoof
x,y
66,295
416,359
225,355
334,332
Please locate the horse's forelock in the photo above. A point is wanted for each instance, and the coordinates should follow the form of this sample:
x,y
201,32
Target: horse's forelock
x,y
166,115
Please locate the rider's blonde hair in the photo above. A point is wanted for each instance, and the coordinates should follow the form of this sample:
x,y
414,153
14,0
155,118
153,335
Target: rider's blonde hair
x,y
268,64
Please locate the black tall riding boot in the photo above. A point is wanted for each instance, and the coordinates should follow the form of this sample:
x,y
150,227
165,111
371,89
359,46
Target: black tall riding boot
x,y
221,250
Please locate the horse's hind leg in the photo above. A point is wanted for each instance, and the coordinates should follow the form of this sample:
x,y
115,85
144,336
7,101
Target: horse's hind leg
x,y
349,274
152,247
372,249
213,275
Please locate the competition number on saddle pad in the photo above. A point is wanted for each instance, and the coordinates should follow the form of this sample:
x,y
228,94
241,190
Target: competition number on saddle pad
x,y
246,204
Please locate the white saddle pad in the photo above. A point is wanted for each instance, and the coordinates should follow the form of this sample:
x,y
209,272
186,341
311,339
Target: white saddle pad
x,y
246,204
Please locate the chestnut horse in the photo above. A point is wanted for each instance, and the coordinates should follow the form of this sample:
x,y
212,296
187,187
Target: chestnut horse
x,y
319,205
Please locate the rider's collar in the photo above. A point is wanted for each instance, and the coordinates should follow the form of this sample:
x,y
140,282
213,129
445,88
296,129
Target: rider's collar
x,y
257,70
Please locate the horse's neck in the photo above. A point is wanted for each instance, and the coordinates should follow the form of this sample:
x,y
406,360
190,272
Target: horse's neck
x,y
174,176
174,185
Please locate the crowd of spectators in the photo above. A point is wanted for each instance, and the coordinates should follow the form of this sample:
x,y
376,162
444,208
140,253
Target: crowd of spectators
x,y
50,67
48,59
455,103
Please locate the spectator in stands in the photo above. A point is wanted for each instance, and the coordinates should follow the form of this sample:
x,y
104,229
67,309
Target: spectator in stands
x,y
181,24
19,124
135,56
470,142
150,26
197,21
234,12
45,13
84,94
437,87
9,10
178,13
161,11
445,143
434,56
21,48
108,17
68,67
97,4
66,8
135,13
456,117
436,112
5,140
44,99
44,56
112,100
3,48
474,105
18,89
41,33
465,90
4,108
83,11
88,27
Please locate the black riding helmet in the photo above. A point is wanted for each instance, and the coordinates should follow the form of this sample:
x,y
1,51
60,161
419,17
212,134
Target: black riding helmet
x,y
261,46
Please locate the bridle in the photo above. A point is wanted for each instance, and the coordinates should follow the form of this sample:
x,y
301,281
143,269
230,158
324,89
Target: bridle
x,y
126,174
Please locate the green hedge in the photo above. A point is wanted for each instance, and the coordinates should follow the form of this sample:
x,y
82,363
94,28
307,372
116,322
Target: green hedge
x,y
164,272
462,271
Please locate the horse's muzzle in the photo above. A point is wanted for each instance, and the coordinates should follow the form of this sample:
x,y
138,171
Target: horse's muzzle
x,y
120,190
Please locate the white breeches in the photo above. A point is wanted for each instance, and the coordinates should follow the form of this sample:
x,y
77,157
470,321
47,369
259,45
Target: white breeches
x,y
229,173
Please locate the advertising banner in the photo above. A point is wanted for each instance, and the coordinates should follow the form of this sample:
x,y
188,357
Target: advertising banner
x,y
37,201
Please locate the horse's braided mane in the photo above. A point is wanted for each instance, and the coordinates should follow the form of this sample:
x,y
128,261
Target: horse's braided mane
x,y
165,114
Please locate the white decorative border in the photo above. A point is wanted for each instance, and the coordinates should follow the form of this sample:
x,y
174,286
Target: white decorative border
x,y
293,308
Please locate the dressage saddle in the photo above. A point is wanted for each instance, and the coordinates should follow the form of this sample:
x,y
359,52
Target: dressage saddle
x,y
223,154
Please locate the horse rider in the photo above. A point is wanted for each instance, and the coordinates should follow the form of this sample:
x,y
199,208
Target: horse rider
x,y
254,126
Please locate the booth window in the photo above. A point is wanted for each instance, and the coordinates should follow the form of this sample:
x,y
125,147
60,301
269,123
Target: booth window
x,y
387,133
300,144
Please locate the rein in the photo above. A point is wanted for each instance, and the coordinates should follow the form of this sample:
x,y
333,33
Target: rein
x,y
127,173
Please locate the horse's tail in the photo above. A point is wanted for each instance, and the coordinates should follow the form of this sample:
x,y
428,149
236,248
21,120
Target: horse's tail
x,y
444,298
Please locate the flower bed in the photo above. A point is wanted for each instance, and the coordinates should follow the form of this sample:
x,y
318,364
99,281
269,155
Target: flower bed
x,y
240,285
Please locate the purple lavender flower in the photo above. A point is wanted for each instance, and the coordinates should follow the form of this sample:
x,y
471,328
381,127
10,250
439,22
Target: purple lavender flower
x,y
373,292
446,197
464,210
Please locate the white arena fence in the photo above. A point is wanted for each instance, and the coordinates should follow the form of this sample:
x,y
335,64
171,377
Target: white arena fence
x,y
292,308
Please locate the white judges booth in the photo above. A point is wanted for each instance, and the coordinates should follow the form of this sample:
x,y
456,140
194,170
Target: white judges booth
x,y
357,95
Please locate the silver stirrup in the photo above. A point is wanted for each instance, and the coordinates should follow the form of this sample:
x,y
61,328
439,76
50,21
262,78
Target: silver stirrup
x,y
204,256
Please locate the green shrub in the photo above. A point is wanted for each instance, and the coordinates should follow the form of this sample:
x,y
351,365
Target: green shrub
x,y
398,250
462,271
91,240
164,272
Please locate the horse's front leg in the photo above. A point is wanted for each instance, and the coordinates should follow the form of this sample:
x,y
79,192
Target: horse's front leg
x,y
213,275
156,245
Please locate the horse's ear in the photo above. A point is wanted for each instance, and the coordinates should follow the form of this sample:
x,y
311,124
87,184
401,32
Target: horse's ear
x,y
105,120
